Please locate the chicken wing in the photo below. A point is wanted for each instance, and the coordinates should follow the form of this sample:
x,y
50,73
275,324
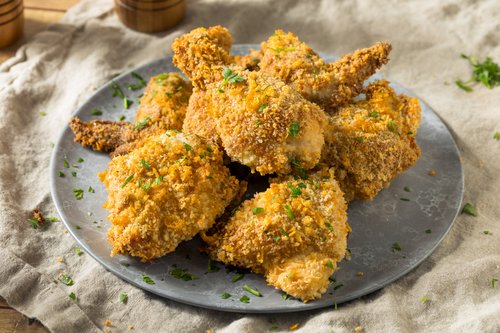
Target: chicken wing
x,y
284,56
163,192
294,233
371,141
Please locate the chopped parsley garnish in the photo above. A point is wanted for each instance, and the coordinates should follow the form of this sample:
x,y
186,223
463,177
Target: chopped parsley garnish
x,y
373,114
80,160
43,114
424,299
34,223
182,274
127,180
72,296
328,226
66,164
66,279
487,232
391,126
257,210
238,277
225,296
245,299
77,251
122,117
493,280
127,103
181,159
296,191
396,247
289,212
73,173
147,279
262,107
277,238
146,186
229,77
212,267
294,129
61,174
404,199
142,123
285,296
145,164
428,231
116,90
158,180
257,123
360,139
123,297
91,190
469,209
136,86
297,168
187,147
52,219
96,112
329,264
161,77
252,291
496,136
284,233
407,189
486,72
78,193
75,166
338,286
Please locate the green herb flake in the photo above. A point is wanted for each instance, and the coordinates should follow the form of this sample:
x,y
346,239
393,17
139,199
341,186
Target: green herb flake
x,y
140,125
34,223
289,212
396,247
96,112
257,210
123,297
487,232
66,279
91,189
252,291
486,72
245,299
122,117
496,136
424,299
43,114
225,296
391,126
73,173
294,191
329,264
373,114
52,219
328,226
182,274
294,129
285,296
257,123
360,139
187,147
116,90
66,164
61,174
404,199
261,108
463,86
469,209
78,193
229,77
77,251
212,266
407,189
237,277
127,180
493,281
78,227
147,279
158,180
145,164
72,296
298,169
428,231
127,103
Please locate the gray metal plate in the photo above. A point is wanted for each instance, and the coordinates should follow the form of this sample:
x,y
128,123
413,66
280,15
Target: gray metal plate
x,y
377,225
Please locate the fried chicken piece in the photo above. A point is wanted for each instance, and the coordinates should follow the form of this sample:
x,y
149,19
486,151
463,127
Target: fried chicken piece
x,y
163,192
197,51
294,234
198,120
261,122
249,61
102,135
329,85
163,106
372,141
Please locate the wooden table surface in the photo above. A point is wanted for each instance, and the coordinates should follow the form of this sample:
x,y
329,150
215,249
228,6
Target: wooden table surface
x,y
38,15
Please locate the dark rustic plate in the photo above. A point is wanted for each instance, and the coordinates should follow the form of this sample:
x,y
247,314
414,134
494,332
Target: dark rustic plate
x,y
417,225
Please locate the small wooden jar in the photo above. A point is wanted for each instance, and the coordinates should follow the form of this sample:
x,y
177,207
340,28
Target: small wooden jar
x,y
150,15
11,21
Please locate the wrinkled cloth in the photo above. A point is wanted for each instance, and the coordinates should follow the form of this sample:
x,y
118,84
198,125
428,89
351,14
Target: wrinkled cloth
x,y
60,68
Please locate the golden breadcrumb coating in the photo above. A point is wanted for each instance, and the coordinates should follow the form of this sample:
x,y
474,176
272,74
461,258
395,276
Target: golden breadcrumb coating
x,y
371,141
102,135
249,61
197,51
264,124
164,102
198,120
162,107
329,85
166,190
294,233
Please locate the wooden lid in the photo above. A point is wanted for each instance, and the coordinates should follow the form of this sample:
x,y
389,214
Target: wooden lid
x,y
11,14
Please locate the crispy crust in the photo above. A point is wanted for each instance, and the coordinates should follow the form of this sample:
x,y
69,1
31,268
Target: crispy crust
x,y
249,61
295,253
372,141
102,135
284,56
198,120
151,218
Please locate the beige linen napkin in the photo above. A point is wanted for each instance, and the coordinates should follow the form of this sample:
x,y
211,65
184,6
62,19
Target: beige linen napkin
x,y
60,68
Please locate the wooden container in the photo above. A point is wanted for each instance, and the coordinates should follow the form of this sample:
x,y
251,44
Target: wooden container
x,y
150,16
8,6
11,26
